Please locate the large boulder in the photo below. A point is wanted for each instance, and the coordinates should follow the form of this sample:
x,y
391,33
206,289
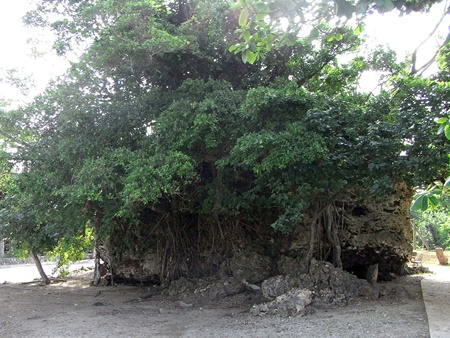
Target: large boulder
x,y
370,232
378,233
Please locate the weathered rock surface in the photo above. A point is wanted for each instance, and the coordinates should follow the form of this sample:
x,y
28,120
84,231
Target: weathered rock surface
x,y
204,291
370,234
378,233
144,269
329,286
250,266
291,303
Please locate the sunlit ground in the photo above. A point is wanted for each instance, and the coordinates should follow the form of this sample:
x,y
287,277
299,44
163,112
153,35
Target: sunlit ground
x,y
22,273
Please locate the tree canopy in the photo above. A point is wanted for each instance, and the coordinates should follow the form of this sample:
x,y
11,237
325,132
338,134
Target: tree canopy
x,y
267,24
159,128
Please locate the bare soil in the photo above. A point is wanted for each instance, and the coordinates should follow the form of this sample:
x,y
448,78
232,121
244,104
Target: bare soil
x,y
72,308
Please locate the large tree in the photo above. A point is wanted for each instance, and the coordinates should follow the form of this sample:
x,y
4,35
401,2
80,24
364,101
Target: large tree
x,y
160,138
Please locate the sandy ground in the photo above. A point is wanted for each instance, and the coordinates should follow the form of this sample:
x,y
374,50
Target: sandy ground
x,y
436,295
72,308
27,272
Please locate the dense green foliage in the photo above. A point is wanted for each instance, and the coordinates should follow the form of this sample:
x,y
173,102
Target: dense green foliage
x,y
159,129
434,225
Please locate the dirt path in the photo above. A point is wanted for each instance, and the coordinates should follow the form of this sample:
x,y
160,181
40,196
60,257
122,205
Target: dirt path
x,y
436,295
74,309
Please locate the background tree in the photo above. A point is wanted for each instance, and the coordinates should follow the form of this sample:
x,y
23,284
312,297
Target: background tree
x,y
433,225
28,213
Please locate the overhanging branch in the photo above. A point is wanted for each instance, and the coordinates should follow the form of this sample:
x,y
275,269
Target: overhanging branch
x,y
414,69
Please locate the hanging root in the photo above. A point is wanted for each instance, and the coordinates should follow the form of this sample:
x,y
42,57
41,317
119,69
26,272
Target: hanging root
x,y
331,226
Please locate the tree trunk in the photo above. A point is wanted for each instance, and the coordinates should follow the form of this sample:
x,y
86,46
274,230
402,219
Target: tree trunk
x,y
39,267
440,255
184,11
97,274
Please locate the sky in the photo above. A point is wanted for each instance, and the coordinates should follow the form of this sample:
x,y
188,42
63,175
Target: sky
x,y
20,46
403,34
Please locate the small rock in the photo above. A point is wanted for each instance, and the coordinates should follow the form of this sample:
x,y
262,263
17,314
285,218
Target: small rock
x,y
185,305
250,287
291,303
372,274
275,286
216,292
233,287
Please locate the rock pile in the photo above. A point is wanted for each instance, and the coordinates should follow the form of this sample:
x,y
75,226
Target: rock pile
x,y
324,286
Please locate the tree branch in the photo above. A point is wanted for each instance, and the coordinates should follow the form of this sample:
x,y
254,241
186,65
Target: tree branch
x,y
14,139
414,70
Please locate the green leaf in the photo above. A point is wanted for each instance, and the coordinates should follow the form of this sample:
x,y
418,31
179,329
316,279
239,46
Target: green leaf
x,y
246,36
362,6
418,204
437,192
361,27
358,29
433,200
233,48
245,55
260,16
338,36
261,34
243,17
447,131
344,8
251,57
314,33
424,202
237,5
441,120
